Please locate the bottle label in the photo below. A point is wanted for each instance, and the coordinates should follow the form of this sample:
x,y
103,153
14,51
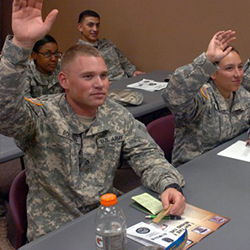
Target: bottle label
x,y
111,242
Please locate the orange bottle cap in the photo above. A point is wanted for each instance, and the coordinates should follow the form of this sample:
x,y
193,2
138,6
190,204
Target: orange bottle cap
x,y
108,200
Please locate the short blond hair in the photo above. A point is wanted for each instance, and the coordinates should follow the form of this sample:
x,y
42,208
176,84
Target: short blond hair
x,y
78,50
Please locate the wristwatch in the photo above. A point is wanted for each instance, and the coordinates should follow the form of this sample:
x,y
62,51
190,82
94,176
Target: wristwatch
x,y
176,186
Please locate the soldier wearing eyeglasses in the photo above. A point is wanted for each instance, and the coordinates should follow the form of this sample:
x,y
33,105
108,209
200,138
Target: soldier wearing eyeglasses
x,y
44,67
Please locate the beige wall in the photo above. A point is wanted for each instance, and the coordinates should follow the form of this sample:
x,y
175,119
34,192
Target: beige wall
x,y
156,34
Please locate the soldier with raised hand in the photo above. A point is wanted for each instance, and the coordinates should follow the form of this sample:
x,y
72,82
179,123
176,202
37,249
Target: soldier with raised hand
x,y
73,141
207,99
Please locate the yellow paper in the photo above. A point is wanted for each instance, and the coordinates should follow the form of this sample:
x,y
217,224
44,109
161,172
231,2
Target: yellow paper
x,y
149,202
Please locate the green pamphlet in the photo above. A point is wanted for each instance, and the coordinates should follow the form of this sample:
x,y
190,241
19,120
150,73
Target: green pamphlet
x,y
147,203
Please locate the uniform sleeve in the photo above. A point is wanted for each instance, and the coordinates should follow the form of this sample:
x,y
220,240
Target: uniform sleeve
x,y
16,114
246,77
183,95
27,83
127,66
147,159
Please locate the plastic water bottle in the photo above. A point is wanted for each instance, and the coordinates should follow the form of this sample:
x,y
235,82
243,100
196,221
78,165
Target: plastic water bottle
x,y
110,225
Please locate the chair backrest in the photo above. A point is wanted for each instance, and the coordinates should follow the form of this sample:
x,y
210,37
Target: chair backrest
x,y
162,131
17,199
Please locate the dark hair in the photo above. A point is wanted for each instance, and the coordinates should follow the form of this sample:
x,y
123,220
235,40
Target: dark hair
x,y
233,49
46,39
87,13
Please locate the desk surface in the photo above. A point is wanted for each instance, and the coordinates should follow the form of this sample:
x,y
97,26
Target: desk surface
x,y
214,183
8,149
152,100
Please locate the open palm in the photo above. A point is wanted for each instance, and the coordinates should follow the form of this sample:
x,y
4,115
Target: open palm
x,y
27,23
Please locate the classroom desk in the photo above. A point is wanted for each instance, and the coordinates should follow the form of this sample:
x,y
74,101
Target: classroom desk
x,y
153,101
9,151
214,183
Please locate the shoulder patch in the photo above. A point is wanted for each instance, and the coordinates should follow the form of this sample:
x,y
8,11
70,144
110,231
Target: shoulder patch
x,y
204,92
33,101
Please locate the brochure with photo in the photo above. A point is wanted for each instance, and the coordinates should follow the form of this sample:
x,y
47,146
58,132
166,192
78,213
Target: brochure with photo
x,y
198,222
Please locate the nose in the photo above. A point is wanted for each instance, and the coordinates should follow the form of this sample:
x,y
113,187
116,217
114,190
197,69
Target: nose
x,y
95,27
238,72
53,57
99,83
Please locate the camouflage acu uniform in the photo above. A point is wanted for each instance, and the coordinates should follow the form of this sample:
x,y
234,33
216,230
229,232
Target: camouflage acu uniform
x,y
68,165
202,116
246,78
118,65
38,84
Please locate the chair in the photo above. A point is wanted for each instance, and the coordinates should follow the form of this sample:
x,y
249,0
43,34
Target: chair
x,y
162,131
17,200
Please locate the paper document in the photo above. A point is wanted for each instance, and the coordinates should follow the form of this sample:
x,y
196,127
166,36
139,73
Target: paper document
x,y
238,151
198,222
148,85
149,202
150,235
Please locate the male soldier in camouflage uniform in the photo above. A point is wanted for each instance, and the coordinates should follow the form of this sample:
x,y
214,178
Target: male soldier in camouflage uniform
x,y
118,65
207,100
73,142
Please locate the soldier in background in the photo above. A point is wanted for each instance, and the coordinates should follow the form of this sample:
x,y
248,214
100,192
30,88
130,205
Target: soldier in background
x,y
207,99
73,141
42,76
118,65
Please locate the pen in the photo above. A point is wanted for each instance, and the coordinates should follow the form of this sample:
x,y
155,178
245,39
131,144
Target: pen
x,y
168,217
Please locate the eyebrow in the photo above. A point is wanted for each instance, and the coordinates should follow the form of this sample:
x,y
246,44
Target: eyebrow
x,y
93,22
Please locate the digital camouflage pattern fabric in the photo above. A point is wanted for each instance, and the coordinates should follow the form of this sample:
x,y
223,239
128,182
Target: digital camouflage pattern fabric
x,y
118,65
246,78
38,84
68,165
203,118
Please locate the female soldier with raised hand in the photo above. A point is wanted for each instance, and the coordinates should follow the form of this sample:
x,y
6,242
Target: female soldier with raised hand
x,y
207,99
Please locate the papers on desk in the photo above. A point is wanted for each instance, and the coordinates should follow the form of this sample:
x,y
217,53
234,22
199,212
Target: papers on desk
x,y
238,151
199,223
148,202
148,85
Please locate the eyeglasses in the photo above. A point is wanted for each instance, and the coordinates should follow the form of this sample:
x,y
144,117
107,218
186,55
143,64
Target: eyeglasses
x,y
49,54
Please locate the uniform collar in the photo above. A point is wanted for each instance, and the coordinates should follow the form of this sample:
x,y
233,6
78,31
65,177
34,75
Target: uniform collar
x,y
48,80
96,44
221,103
100,124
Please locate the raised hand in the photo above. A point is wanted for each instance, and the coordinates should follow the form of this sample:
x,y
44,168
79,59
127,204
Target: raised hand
x,y
27,24
219,46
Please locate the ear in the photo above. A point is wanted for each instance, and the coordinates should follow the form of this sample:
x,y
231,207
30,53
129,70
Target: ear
x,y
213,76
33,55
79,27
63,79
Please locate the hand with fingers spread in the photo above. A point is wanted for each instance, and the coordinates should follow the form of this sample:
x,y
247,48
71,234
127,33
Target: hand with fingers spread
x,y
27,24
173,196
219,46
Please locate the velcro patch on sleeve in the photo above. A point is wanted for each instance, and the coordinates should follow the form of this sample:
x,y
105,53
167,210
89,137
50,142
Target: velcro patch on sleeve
x,y
204,92
33,101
